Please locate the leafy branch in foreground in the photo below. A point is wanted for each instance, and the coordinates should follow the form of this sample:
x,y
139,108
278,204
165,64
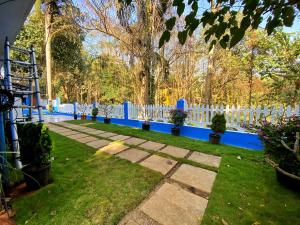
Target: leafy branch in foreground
x,y
227,20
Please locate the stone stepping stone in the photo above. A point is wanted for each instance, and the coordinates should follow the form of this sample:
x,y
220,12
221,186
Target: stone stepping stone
x,y
133,155
96,132
210,160
107,134
196,177
119,137
172,205
114,148
77,136
134,141
150,145
87,139
98,143
71,132
175,151
86,130
159,164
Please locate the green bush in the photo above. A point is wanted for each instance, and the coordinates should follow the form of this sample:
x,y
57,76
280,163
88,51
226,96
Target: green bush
x,y
177,117
218,123
35,144
95,112
272,134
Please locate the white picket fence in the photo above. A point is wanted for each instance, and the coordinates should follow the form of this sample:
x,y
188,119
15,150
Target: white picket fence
x,y
201,115
198,115
150,112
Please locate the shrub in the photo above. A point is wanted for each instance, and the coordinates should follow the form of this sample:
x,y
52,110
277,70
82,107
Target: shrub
x,y
272,135
177,117
35,144
95,112
218,123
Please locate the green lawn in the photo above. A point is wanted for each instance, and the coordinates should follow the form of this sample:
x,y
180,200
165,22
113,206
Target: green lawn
x,y
89,188
245,191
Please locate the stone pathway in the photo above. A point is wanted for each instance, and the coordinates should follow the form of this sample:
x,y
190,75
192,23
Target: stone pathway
x,y
182,196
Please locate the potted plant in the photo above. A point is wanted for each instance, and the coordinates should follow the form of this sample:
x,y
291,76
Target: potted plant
x,y
146,123
177,117
75,116
218,125
82,109
282,149
35,149
106,110
95,113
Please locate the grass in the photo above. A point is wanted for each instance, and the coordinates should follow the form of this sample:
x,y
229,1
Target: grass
x,y
246,190
89,188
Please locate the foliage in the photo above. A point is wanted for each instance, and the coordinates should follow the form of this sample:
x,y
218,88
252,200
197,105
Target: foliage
x,y
82,108
177,117
35,144
106,109
218,123
95,112
225,23
273,134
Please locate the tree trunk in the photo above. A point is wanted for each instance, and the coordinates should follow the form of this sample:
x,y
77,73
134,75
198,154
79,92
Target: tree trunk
x,y
48,20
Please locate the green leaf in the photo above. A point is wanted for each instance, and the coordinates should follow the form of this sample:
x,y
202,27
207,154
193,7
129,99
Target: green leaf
x,y
288,16
237,35
177,2
245,23
195,6
180,9
221,29
165,37
170,23
193,26
182,36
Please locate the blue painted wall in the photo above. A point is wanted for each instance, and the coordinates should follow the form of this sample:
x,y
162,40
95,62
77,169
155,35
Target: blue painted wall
x,y
233,138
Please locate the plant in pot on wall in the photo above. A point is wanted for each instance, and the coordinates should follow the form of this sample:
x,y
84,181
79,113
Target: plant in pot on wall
x,y
218,125
106,110
146,123
35,149
282,149
177,117
95,113
82,109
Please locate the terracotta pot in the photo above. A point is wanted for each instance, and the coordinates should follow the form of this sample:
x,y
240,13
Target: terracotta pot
x,y
107,120
175,131
83,117
146,126
214,139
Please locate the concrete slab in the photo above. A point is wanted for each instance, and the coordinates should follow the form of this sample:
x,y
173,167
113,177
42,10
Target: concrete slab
x,y
159,164
113,148
71,132
96,132
98,143
196,177
107,134
175,151
77,136
133,155
119,137
87,139
210,160
172,205
150,145
134,141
